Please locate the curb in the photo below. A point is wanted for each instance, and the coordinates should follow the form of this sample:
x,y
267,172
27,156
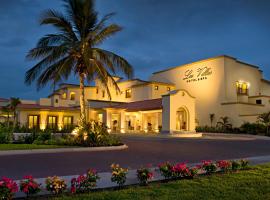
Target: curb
x,y
62,150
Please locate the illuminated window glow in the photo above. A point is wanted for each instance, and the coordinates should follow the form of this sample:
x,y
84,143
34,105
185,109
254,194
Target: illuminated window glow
x,y
72,96
242,87
67,121
128,93
156,87
52,122
64,95
33,121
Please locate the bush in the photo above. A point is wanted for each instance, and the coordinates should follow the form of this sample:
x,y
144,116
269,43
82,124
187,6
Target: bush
x,y
244,164
5,134
209,166
94,134
84,183
236,165
119,174
29,186
55,185
224,165
253,128
144,174
7,188
166,170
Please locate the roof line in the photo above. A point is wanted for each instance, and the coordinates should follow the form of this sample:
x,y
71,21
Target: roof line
x,y
203,60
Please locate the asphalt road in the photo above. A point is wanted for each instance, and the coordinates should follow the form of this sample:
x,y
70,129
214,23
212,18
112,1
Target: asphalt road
x,y
141,151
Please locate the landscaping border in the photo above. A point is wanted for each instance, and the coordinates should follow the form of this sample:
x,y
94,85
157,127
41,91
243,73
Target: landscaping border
x,y
62,150
105,179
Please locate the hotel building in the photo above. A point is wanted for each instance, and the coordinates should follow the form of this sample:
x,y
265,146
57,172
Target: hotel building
x,y
173,100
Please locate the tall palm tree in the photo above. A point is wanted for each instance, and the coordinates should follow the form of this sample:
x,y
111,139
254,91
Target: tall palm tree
x,y
6,110
73,49
14,102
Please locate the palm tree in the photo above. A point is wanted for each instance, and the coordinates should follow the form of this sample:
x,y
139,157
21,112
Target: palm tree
x,y
212,117
6,110
74,49
224,123
14,102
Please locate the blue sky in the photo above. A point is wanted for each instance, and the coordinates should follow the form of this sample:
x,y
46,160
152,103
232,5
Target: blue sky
x,y
157,34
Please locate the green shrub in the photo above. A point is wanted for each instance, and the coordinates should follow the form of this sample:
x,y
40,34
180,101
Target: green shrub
x,y
95,134
253,128
236,165
5,134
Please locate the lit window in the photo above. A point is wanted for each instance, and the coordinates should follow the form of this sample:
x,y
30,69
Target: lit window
x,y
168,89
33,121
67,121
64,95
242,87
128,93
52,122
72,96
103,93
156,87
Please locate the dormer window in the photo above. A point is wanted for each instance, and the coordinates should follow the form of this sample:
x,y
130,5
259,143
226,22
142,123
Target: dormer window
x,y
242,87
72,96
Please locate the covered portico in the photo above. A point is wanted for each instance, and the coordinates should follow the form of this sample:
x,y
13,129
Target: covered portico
x,y
173,113
140,116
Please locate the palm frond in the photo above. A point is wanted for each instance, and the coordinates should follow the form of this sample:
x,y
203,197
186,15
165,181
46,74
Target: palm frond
x,y
59,21
105,33
53,57
56,72
53,39
82,14
118,62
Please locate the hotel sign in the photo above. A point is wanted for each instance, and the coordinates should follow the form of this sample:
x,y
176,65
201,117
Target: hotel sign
x,y
201,73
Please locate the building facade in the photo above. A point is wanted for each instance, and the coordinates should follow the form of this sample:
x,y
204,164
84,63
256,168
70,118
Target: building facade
x,y
173,100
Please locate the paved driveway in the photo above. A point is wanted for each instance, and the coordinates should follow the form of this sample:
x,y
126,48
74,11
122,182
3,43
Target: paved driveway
x,y
141,151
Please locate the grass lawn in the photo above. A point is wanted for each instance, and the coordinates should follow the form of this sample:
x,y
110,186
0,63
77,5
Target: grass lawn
x,y
245,185
27,146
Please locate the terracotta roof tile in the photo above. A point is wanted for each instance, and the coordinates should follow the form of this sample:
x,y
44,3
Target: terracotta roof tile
x,y
42,107
152,104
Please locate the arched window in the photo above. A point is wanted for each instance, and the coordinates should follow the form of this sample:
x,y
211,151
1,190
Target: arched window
x,y
72,96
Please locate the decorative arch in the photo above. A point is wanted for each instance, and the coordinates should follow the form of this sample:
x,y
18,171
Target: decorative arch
x,y
182,118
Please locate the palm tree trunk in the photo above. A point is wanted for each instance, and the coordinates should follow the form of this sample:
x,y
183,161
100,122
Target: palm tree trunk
x,y
82,101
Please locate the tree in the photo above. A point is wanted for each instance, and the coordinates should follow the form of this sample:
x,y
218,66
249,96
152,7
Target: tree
x,y
224,123
212,117
14,102
73,49
6,110
265,120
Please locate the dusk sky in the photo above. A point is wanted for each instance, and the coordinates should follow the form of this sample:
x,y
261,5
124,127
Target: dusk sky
x,y
157,34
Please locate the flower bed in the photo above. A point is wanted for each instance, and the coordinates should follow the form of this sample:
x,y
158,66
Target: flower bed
x,y
88,182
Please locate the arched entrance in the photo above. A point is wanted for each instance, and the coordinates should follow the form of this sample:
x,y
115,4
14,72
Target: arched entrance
x,y
182,119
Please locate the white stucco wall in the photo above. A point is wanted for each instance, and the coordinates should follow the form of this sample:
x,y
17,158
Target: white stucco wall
x,y
171,103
